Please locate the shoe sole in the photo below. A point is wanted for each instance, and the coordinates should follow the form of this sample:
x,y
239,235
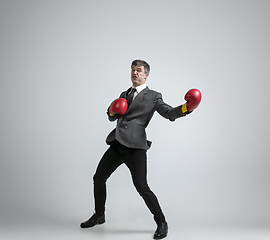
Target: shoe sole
x,y
161,237
101,222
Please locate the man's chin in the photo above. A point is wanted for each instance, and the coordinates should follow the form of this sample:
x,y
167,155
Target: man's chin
x,y
135,83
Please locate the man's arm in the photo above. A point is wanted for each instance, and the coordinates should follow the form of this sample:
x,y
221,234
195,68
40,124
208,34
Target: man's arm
x,y
167,111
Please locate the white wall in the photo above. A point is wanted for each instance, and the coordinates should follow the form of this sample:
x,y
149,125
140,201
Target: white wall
x,y
63,62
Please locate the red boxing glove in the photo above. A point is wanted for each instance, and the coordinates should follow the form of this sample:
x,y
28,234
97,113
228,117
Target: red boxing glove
x,y
193,98
119,105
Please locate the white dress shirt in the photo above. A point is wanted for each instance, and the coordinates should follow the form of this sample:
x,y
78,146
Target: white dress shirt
x,y
138,90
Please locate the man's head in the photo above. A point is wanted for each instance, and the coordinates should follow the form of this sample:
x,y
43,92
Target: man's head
x,y
139,72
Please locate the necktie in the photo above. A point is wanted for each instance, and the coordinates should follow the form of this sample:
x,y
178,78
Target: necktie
x,y
130,96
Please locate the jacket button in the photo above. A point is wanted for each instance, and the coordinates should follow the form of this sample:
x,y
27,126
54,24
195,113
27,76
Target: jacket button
x,y
125,127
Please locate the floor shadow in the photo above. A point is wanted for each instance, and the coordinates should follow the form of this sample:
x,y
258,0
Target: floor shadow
x,y
128,231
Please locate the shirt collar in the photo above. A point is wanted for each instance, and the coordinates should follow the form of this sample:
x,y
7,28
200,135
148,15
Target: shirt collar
x,y
140,88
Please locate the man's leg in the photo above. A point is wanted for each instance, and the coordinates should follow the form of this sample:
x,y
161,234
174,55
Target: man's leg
x,y
107,165
137,164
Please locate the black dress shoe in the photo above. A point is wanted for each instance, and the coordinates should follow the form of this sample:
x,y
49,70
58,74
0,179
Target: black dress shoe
x,y
162,231
94,220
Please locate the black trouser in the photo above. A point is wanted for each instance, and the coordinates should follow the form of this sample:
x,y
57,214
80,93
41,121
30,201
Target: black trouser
x,y
136,161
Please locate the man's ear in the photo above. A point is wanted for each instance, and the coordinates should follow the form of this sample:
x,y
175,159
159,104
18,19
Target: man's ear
x,y
147,74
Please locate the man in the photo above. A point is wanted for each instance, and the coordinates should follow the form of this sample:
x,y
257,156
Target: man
x,y
128,144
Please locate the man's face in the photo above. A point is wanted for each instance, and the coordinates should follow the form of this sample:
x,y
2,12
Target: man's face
x,y
138,76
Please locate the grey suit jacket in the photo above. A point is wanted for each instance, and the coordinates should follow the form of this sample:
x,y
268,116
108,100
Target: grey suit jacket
x,y
130,129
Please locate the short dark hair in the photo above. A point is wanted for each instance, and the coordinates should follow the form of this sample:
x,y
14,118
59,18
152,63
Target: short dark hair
x,y
141,63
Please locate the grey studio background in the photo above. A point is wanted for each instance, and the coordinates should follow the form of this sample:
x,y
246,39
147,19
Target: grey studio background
x,y
63,62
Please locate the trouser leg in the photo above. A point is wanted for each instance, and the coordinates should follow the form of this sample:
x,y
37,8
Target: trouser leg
x,y
107,165
137,164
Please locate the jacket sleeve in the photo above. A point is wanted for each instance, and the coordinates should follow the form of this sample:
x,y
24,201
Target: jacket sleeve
x,y
167,111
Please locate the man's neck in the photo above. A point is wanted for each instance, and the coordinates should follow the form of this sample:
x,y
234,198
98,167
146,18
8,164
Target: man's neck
x,y
135,86
140,87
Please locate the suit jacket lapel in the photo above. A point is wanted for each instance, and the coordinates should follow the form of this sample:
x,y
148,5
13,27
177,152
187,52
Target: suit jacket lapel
x,y
126,93
138,98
